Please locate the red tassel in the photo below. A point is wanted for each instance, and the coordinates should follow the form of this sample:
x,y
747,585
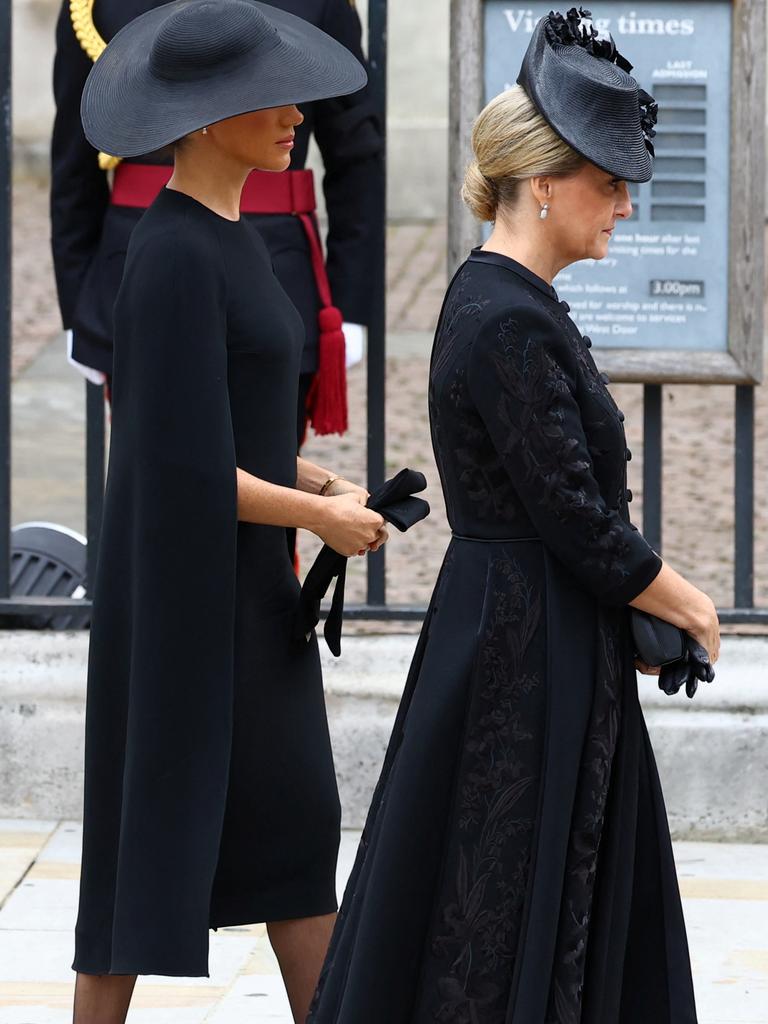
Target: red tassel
x,y
327,399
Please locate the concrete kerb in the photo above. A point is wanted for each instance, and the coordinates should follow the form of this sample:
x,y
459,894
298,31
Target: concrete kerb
x,y
712,752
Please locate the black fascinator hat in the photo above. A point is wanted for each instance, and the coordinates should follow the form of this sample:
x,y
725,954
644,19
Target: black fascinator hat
x,y
190,63
582,87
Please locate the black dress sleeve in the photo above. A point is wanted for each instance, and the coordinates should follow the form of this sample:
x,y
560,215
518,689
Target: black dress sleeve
x,y
161,663
79,190
171,377
350,138
522,377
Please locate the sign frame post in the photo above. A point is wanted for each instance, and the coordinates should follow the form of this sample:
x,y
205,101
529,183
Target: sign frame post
x,y
6,164
742,362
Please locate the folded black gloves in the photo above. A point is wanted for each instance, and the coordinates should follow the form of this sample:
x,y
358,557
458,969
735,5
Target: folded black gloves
x,y
395,502
682,659
692,667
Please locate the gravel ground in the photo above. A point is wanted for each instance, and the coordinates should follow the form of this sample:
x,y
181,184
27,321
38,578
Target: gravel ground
x,y
35,314
698,420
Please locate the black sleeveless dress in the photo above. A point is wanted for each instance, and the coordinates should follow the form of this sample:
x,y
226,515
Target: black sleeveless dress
x,y
516,865
210,795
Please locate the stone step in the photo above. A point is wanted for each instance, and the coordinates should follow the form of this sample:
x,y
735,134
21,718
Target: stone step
x,y
712,752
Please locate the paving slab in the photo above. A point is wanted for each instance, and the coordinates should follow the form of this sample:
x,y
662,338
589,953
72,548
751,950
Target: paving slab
x,y
725,897
20,843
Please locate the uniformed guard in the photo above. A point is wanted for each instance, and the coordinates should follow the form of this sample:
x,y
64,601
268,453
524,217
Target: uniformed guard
x,y
97,199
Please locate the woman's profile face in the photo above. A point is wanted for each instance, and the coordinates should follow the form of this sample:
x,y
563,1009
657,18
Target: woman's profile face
x,y
261,139
584,210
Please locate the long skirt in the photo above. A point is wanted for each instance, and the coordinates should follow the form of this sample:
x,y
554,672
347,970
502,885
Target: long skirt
x,y
516,864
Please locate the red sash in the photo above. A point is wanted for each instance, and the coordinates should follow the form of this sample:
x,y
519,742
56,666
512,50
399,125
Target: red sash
x,y
291,192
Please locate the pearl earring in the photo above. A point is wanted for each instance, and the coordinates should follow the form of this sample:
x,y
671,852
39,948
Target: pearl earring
x,y
544,211
205,131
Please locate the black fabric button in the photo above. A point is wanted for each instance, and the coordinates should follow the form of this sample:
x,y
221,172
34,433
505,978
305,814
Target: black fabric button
x,y
565,306
628,494
587,341
605,378
628,455
620,414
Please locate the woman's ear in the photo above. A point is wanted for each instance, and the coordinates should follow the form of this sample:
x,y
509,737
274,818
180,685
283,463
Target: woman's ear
x,y
541,188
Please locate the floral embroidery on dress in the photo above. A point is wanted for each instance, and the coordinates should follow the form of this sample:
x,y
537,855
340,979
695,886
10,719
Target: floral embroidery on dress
x,y
587,825
458,307
533,393
481,470
590,375
475,941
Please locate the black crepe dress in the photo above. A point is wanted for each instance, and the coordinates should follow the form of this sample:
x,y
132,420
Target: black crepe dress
x,y
210,795
516,865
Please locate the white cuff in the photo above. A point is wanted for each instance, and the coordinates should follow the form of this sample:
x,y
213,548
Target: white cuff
x,y
94,376
354,339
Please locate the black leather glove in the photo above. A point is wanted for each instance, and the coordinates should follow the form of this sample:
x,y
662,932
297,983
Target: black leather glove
x,y
693,667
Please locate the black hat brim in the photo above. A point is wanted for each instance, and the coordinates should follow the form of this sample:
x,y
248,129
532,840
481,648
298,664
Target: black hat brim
x,y
127,111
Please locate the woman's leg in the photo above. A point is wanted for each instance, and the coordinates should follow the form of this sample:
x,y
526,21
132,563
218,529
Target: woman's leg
x,y
300,947
102,998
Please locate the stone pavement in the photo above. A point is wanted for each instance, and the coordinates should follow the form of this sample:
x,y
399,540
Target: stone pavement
x,y
725,892
39,868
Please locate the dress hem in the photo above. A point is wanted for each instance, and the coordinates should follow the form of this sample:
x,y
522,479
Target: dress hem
x,y
130,972
262,915
275,912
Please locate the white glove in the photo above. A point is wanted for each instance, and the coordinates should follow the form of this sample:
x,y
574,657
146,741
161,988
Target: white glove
x,y
94,376
354,341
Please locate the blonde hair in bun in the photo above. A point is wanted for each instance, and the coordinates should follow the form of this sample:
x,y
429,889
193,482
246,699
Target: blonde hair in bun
x,y
511,142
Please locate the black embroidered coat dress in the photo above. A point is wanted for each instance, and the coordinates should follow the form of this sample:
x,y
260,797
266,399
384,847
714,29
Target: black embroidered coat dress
x,y
516,865
210,794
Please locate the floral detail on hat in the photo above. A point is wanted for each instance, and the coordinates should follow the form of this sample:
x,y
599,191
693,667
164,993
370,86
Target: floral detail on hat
x,y
649,115
575,28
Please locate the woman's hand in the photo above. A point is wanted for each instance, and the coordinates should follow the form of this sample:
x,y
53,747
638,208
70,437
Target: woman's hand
x,y
674,599
646,670
342,486
381,539
348,526
705,627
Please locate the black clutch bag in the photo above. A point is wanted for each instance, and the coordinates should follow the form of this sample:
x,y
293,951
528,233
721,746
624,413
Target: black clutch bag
x,y
656,642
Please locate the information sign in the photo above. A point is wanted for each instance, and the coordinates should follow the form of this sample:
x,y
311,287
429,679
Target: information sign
x,y
664,282
679,296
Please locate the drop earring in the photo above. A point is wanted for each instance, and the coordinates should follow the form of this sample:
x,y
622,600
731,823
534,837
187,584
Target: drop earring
x,y
544,212
205,131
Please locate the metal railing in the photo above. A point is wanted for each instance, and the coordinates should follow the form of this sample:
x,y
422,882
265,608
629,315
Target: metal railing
x,y
743,610
376,605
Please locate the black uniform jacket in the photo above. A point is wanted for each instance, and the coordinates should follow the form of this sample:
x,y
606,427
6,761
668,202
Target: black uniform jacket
x,y
90,237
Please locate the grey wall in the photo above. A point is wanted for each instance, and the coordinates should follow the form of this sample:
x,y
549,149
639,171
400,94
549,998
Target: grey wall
x,y
33,31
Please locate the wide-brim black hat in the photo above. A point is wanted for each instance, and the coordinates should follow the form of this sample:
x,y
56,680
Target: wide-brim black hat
x,y
190,63
582,87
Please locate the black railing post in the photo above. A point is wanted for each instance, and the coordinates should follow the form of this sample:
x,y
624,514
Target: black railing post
x,y
652,464
94,476
744,498
376,361
6,157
